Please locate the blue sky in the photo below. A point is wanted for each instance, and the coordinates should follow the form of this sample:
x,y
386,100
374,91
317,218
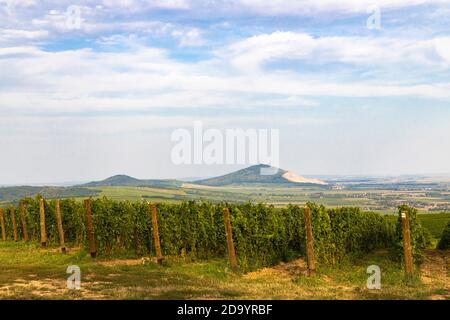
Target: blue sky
x,y
103,98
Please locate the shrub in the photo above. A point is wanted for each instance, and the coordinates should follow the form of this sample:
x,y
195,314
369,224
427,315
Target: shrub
x,y
444,243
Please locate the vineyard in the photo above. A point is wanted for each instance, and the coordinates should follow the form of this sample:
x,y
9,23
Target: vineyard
x,y
262,235
444,243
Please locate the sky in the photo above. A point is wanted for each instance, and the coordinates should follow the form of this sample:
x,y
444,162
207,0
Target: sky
x,y
93,88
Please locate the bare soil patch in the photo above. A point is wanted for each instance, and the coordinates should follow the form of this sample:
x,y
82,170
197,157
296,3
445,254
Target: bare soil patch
x,y
435,271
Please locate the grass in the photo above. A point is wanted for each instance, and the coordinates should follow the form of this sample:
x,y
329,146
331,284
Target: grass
x,y
30,272
435,222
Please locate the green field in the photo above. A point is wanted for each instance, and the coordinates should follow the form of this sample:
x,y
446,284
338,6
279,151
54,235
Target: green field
x,y
385,201
372,199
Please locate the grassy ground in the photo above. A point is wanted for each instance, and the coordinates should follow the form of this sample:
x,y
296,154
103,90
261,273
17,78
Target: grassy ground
x,y
29,272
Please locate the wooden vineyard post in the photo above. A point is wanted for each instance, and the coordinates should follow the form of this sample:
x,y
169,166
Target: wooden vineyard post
x,y
90,228
407,246
13,220
2,222
156,240
230,245
309,242
60,227
42,223
23,222
137,242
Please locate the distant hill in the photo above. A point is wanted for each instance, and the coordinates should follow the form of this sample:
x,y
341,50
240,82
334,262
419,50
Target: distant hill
x,y
127,181
260,173
8,194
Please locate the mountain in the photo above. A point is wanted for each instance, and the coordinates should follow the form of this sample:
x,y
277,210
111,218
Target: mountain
x,y
127,181
260,173
254,174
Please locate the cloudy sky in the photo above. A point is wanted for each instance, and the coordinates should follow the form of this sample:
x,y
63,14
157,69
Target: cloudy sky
x,y
87,96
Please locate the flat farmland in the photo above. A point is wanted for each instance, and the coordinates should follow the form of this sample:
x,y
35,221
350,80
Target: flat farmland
x,y
383,200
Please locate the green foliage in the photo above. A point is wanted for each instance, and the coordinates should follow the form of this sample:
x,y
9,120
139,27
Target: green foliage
x,y
72,213
420,237
192,229
322,234
434,222
444,243
8,223
347,232
262,235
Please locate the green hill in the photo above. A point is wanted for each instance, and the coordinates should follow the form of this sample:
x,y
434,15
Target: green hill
x,y
11,194
260,174
127,181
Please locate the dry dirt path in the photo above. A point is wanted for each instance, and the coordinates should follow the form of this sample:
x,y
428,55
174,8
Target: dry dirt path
x,y
435,271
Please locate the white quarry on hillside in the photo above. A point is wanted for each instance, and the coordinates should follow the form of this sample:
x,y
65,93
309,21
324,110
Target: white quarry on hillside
x,y
293,177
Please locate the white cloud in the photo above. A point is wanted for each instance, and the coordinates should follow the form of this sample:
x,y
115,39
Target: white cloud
x,y
103,112
253,52
263,7
310,7
442,47
189,38
144,78
10,37
134,5
11,4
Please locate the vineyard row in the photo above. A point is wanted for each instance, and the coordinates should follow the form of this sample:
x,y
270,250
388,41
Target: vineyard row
x,y
261,235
